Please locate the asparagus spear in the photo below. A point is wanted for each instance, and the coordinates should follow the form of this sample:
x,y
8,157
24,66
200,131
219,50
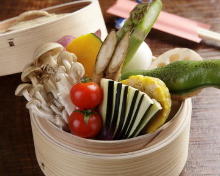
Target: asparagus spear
x,y
140,22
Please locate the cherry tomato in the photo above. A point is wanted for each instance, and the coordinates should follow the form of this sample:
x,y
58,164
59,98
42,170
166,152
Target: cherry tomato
x,y
86,95
85,124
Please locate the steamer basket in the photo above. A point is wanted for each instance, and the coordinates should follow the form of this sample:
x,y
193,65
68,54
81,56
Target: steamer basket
x,y
166,154
17,47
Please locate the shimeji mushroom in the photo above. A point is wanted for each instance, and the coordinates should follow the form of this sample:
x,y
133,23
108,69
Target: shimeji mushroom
x,y
76,72
22,89
47,54
36,107
63,90
30,74
58,85
59,122
66,58
52,75
39,94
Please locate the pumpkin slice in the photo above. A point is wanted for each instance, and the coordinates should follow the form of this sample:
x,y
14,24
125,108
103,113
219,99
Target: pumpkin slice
x,y
86,49
157,90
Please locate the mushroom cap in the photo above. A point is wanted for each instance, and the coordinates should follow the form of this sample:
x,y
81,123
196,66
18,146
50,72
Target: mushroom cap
x,y
29,70
65,55
45,50
19,90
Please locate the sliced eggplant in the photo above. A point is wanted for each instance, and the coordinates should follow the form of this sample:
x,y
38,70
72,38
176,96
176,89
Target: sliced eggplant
x,y
132,99
103,107
117,106
125,110
110,103
135,113
146,103
154,108
122,110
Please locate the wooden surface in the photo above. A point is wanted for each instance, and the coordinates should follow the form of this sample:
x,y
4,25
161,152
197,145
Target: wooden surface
x,y
17,156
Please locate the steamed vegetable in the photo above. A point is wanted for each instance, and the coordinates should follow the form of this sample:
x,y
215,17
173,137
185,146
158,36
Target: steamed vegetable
x,y
111,57
141,60
65,40
86,95
86,49
104,56
125,110
85,124
156,89
184,78
176,54
140,22
113,70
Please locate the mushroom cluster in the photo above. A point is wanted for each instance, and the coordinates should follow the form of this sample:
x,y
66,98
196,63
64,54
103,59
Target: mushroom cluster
x,y
50,77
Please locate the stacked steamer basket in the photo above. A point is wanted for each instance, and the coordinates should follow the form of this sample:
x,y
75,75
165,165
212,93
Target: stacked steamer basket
x,y
17,47
62,154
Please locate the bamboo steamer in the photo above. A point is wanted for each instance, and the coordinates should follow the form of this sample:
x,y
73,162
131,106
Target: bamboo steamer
x,y
59,155
17,47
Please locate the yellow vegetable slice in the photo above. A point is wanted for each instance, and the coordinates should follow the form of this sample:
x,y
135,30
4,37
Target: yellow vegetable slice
x,y
157,90
86,49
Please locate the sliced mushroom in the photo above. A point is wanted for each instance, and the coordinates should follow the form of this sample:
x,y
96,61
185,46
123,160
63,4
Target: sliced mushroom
x,y
22,90
113,69
104,56
30,74
66,58
47,53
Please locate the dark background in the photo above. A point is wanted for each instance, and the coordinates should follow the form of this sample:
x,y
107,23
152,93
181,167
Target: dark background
x,y
17,156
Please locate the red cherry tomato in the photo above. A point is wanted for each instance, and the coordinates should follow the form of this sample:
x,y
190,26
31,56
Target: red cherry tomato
x,y
86,95
85,124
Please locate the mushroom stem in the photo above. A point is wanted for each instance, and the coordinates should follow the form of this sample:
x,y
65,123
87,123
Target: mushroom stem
x,y
50,86
27,95
51,61
33,79
34,107
67,65
59,122
63,114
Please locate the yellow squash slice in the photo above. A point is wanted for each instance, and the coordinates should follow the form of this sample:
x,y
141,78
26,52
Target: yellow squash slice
x,y
86,49
157,90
